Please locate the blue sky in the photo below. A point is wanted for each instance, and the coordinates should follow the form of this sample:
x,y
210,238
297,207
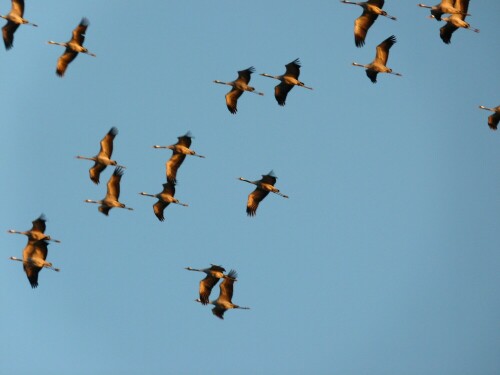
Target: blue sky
x,y
385,258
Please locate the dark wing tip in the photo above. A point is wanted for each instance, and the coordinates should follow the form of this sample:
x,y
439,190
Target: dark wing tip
x,y
84,22
250,70
118,172
296,62
392,39
251,211
113,131
232,274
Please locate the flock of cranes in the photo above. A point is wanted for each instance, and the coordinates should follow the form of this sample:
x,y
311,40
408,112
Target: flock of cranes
x,y
36,250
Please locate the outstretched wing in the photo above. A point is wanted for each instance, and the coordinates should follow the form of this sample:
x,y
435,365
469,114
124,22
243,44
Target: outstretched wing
x,y
281,91
95,172
158,209
114,183
232,99
107,142
254,198
383,50
361,26
293,69
39,224
206,286
173,165
185,140
63,61
8,34
245,75
78,35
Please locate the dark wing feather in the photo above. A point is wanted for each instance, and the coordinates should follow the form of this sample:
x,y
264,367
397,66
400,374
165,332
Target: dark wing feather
x,y
447,31
62,63
378,3
226,287
169,188
8,34
39,224
104,209
361,26
281,91
245,75
372,74
18,7
158,209
232,100
206,286
254,198
493,120
293,69
78,35
173,165
184,140
114,183
107,142
215,267
95,172
267,179
383,50
219,312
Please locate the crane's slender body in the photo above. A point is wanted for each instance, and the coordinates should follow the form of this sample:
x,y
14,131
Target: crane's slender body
x,y
113,194
103,158
264,186
73,47
37,231
238,87
214,274
378,65
444,7
224,301
456,21
34,259
165,197
371,10
494,118
180,150
288,81
14,20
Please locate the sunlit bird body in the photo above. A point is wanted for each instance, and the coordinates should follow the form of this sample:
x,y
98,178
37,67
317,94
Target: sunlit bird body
x,y
288,81
444,7
214,274
73,47
103,158
371,10
164,199
113,194
180,150
14,20
224,301
378,65
34,259
455,21
37,231
264,186
238,86
494,118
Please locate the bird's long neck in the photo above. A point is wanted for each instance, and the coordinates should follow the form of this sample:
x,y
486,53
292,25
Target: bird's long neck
x,y
270,76
481,106
57,43
16,232
14,258
86,158
194,269
91,201
244,179
148,195
360,65
222,83
424,6
350,2
157,146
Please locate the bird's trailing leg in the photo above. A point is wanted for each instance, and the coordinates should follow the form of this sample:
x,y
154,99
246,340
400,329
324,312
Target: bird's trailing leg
x,y
281,194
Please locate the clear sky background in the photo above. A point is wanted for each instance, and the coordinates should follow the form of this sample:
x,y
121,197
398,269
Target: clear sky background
x,y
385,259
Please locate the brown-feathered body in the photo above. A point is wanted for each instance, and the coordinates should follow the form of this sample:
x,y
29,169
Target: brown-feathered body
x,y
493,119
214,274
165,197
455,21
264,186
238,87
14,20
288,81
73,47
37,231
